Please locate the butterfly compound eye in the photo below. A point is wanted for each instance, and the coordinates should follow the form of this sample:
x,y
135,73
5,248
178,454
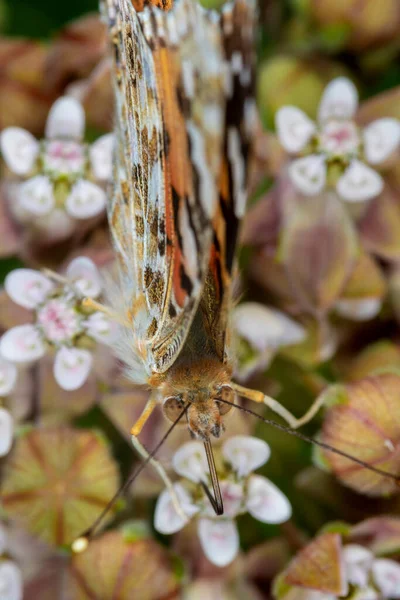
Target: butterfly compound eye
x,y
172,407
226,393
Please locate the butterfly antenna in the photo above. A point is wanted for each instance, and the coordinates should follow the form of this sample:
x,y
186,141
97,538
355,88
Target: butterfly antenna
x,y
314,441
216,500
81,543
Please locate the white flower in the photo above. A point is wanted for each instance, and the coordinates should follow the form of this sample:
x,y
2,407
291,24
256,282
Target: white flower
x,y
59,323
11,586
166,518
8,380
8,377
260,332
241,490
72,367
62,156
6,432
386,575
337,139
359,310
85,276
357,561
20,150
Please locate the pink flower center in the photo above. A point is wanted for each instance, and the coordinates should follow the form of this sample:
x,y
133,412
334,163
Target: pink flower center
x,y
58,321
64,157
339,138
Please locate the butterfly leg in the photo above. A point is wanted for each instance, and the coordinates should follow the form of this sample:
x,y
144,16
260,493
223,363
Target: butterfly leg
x,y
91,304
55,276
164,476
135,431
280,410
142,420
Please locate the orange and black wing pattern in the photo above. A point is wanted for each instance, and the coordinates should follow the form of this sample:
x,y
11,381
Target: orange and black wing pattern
x,y
238,26
169,82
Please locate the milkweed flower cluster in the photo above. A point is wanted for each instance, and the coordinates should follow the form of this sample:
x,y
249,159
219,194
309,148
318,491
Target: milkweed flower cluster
x,y
242,492
63,177
60,322
335,150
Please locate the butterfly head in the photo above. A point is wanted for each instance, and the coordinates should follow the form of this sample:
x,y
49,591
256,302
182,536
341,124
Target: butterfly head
x,y
205,410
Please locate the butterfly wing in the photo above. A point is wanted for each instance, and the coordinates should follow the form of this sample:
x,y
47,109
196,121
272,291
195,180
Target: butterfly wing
x,y
238,25
169,86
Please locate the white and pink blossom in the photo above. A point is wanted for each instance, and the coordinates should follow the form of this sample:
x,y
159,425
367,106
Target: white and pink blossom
x,y
242,491
8,380
336,139
11,584
60,322
61,171
260,332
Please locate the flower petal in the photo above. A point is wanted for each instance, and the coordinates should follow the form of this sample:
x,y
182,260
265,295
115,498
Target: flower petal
x,y
22,344
359,310
308,174
58,225
219,539
339,100
6,432
294,128
100,328
245,453
359,183
19,149
85,200
266,502
381,138
66,119
101,157
357,562
36,195
190,461
10,581
386,574
72,367
85,275
8,377
166,519
232,497
27,287
264,327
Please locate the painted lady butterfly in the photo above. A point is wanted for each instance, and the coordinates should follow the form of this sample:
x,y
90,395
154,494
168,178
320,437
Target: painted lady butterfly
x,y
183,85
185,111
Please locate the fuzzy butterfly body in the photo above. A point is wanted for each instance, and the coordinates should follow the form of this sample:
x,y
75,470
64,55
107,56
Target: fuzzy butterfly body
x,y
183,84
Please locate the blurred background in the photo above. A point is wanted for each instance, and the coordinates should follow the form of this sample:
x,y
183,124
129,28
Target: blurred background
x,y
40,19
302,46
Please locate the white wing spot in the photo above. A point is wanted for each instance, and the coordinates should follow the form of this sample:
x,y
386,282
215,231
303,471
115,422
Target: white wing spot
x,y
199,160
238,170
